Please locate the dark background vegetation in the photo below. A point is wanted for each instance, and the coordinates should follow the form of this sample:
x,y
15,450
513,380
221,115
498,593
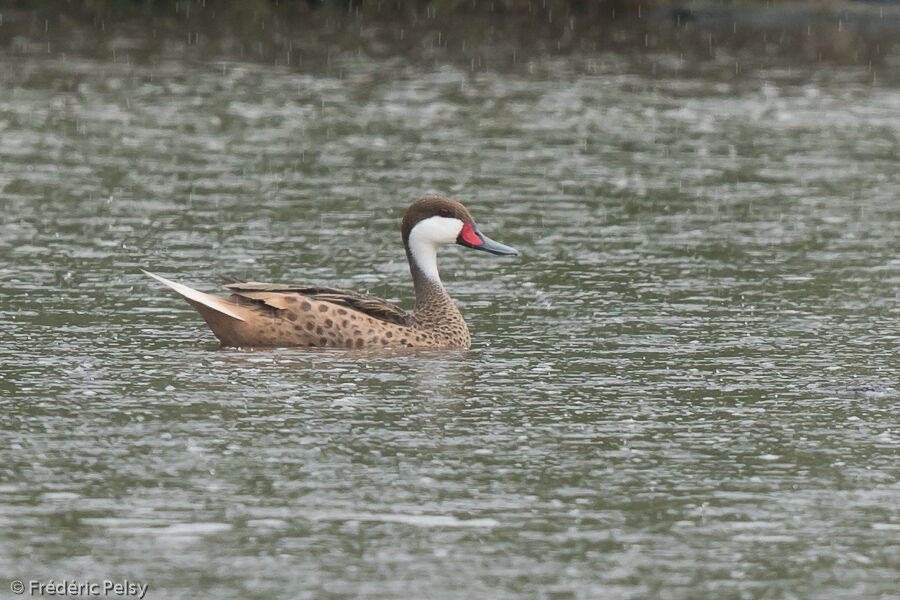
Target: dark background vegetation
x,y
483,34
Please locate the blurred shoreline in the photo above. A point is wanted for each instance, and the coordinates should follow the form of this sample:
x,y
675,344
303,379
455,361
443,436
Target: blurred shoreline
x,y
480,35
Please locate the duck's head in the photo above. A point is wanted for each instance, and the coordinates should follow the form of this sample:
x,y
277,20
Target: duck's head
x,y
433,222
443,221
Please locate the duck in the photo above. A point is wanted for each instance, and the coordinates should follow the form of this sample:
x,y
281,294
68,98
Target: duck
x,y
277,315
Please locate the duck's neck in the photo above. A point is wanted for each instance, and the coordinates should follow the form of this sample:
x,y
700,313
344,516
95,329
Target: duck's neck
x,y
426,279
433,303
435,312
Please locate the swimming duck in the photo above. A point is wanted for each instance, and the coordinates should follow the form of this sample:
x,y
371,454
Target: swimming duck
x,y
267,314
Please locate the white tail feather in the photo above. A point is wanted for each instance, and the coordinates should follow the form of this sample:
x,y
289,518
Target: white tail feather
x,y
213,302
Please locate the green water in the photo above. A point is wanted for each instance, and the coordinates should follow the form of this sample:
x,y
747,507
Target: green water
x,y
685,387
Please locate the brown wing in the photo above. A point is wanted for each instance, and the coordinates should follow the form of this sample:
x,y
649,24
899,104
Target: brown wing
x,y
274,294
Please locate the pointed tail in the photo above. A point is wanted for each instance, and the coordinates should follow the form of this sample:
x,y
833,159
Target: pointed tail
x,y
202,302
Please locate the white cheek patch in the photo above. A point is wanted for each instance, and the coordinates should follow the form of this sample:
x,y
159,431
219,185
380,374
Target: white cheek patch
x,y
426,236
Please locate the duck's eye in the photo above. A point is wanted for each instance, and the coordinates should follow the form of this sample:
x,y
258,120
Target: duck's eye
x,y
444,212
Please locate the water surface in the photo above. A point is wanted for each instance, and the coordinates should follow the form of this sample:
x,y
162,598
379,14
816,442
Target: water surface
x,y
685,387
